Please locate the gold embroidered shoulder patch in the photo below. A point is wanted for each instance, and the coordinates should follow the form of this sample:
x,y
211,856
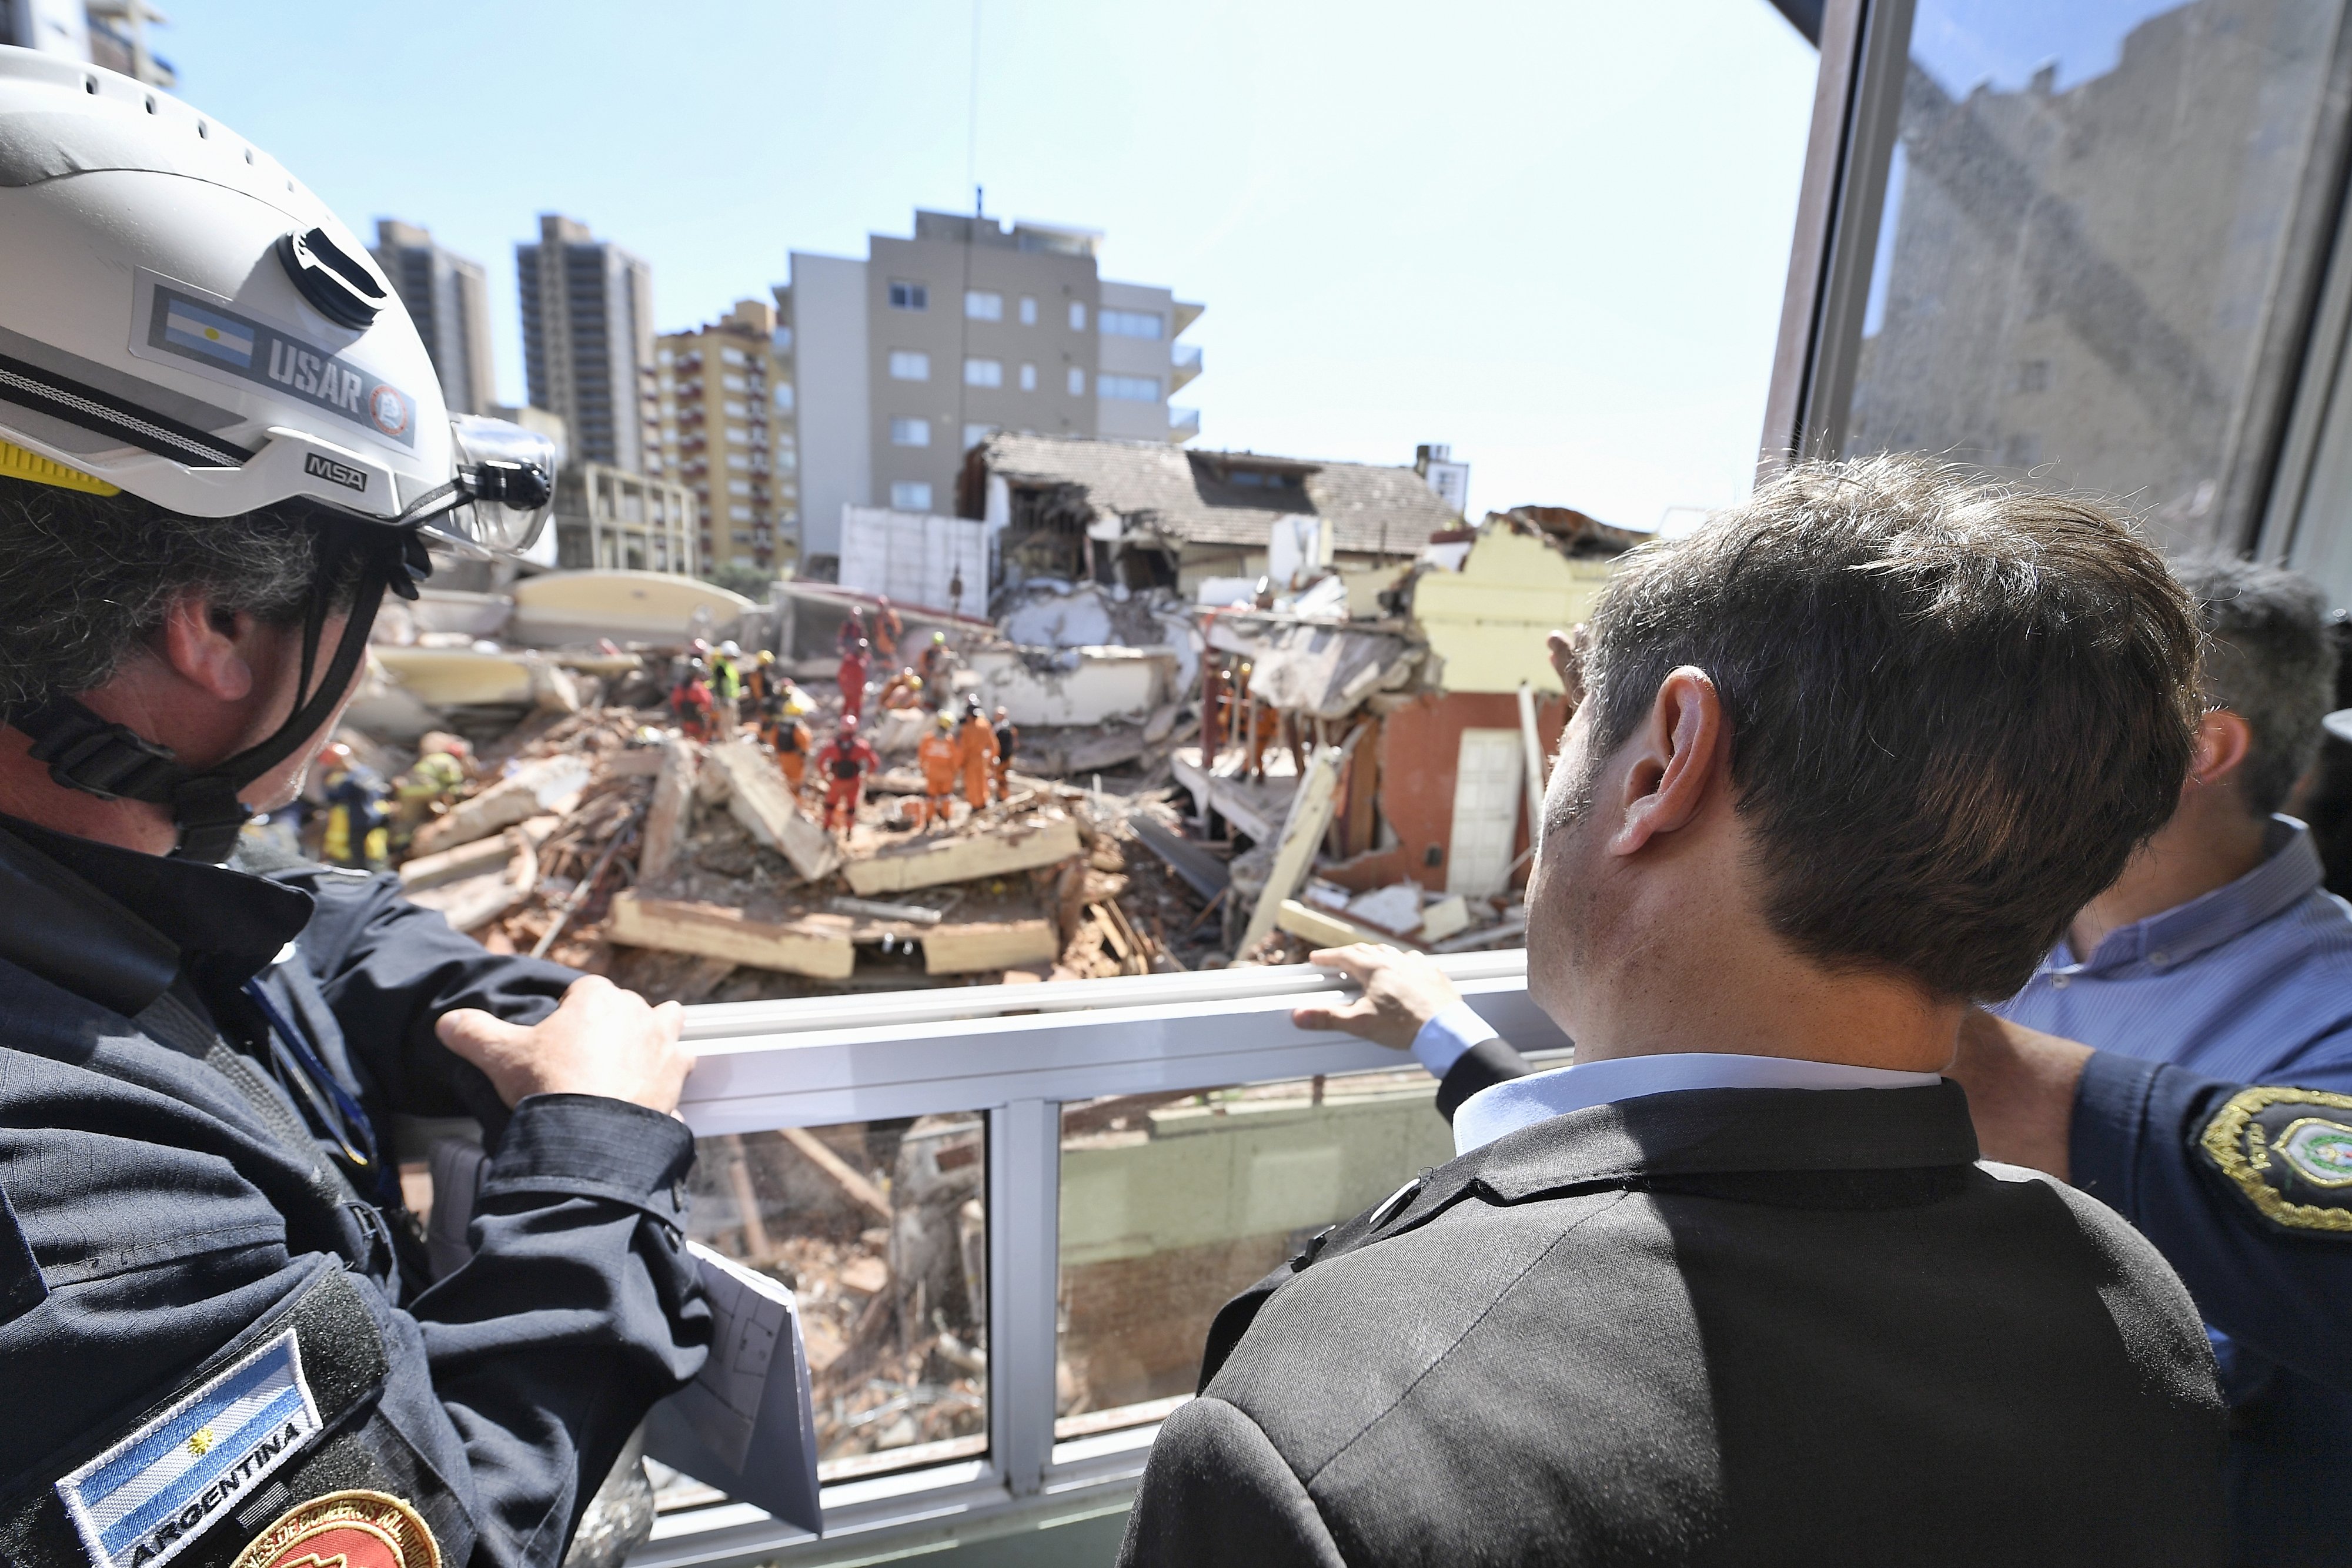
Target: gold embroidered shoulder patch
x,y
2289,1152
345,1530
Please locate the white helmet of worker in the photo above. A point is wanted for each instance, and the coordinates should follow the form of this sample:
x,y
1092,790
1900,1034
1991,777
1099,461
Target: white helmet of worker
x,y
183,320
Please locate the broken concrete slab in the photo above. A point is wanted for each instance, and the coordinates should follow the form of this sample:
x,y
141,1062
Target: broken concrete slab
x,y
976,945
547,784
470,902
758,798
665,815
817,946
963,857
433,870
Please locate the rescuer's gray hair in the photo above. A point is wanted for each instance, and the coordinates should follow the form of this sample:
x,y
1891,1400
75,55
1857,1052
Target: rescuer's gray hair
x,y
2267,660
85,581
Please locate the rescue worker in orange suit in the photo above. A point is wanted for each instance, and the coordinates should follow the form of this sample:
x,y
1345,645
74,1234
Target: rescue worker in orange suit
x,y
935,663
691,702
852,632
759,682
853,680
903,690
976,744
888,630
941,760
843,764
1008,740
782,728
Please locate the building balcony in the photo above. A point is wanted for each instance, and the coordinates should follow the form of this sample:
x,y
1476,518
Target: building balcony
x,y
1183,423
1185,365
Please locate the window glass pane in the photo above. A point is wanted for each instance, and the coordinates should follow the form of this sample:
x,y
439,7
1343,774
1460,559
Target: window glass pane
x,y
1078,316
1028,311
910,365
2091,232
880,1230
910,495
1131,324
983,305
1077,381
983,372
1173,1203
910,433
1135,388
907,295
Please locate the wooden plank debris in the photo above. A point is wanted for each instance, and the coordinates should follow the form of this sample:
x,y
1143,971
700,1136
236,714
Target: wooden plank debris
x,y
860,1190
666,818
1326,929
906,914
817,945
971,947
965,857
1302,835
758,798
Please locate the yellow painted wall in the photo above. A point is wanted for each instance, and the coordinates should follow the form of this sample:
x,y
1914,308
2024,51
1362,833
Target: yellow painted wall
x,y
1487,622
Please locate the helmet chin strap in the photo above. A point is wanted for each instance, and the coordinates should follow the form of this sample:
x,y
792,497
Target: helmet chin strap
x,y
111,761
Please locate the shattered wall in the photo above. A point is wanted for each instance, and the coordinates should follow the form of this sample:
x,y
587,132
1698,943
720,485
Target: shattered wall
x,y
1414,758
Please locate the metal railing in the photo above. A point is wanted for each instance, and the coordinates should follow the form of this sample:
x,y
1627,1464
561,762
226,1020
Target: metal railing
x,y
1015,1053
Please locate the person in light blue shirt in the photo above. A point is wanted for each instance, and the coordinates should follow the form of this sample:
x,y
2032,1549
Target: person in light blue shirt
x,y
2218,952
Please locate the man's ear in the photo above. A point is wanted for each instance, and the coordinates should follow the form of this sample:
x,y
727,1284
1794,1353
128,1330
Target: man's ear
x,y
2224,739
1678,754
209,647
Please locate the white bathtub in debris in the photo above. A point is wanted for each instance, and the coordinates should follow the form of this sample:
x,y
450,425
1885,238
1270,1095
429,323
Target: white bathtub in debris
x,y
1074,686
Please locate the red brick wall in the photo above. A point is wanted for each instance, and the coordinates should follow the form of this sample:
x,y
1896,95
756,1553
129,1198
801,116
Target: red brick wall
x,y
1417,746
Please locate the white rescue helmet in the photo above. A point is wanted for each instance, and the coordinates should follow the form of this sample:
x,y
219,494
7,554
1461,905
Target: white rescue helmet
x,y
183,319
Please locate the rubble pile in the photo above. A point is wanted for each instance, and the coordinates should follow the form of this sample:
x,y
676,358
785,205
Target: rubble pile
x,y
693,871
878,1228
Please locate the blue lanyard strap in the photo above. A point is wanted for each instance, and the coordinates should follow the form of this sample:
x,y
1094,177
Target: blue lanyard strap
x,y
352,1129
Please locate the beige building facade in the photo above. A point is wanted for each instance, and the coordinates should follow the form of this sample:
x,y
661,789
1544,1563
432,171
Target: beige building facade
x,y
724,395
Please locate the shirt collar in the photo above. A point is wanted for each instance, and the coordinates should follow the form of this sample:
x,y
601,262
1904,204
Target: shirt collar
x,y
2290,871
1505,1107
117,926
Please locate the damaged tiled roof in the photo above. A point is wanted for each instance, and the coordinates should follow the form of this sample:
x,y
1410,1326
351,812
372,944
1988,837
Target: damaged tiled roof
x,y
1229,498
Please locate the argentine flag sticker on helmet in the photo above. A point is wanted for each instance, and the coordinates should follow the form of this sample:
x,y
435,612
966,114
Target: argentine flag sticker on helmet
x,y
182,320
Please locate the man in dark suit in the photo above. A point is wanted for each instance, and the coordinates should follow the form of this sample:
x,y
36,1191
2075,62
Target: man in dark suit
x,y
1734,1287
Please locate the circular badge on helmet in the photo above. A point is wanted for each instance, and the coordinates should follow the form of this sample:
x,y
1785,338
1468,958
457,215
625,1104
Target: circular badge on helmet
x,y
389,409
345,1530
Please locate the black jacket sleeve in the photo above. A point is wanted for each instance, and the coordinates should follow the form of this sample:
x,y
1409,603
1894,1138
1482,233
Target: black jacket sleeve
x,y
388,969
1217,1492
2135,1146
1484,1065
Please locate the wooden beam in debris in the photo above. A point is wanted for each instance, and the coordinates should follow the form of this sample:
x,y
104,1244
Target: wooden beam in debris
x,y
758,798
665,815
1302,835
993,851
973,946
844,1176
1326,929
817,946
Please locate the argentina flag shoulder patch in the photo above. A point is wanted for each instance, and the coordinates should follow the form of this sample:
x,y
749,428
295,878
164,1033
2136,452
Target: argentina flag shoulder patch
x,y
154,1494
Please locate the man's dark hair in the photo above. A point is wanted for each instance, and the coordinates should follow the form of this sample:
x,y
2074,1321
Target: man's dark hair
x,y
1956,706
88,578
2267,660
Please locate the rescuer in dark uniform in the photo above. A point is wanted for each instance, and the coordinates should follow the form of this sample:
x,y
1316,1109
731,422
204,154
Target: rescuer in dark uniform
x,y
220,438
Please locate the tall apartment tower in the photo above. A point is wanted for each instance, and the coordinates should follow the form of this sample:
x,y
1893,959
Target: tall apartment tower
x,y
588,343
896,366
726,389
448,297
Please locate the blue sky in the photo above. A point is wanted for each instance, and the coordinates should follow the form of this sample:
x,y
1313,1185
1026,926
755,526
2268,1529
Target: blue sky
x,y
1553,235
